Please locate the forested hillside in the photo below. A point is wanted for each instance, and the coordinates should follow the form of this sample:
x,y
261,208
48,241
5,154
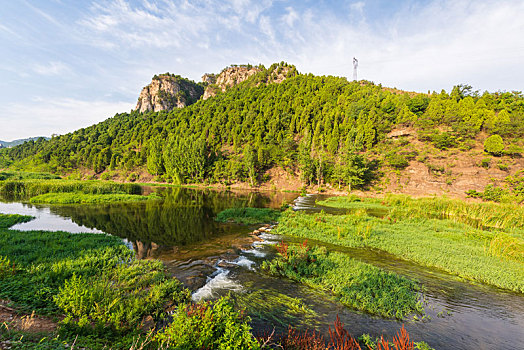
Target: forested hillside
x,y
322,129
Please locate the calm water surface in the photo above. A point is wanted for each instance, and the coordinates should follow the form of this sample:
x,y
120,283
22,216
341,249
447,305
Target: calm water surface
x,y
213,259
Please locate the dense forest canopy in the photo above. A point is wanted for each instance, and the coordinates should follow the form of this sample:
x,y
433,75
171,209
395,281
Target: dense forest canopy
x,y
325,128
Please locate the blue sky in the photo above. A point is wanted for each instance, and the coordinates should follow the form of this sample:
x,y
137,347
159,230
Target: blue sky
x,y
67,64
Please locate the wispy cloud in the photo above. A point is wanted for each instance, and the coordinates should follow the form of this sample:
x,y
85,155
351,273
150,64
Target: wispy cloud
x,y
290,17
107,50
52,68
166,24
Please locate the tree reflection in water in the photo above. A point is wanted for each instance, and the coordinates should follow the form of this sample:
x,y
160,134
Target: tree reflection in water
x,y
183,217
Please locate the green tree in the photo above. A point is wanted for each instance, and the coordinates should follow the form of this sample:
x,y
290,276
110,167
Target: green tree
x,y
155,161
494,145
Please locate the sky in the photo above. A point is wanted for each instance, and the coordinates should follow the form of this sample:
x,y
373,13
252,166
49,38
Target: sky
x,y
67,64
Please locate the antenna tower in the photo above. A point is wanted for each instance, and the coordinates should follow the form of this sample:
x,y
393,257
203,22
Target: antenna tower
x,y
355,65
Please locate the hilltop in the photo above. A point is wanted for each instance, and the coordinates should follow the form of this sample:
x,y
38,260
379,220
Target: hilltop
x,y
274,128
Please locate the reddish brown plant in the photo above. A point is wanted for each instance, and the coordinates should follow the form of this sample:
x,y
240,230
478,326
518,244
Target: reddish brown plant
x,y
402,341
307,340
383,344
282,249
341,339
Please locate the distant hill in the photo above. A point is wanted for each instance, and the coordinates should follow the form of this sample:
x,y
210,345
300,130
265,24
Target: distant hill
x,y
275,127
7,144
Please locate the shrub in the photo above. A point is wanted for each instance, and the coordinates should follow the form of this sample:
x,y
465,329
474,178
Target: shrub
x,y
208,326
502,166
494,145
105,176
444,140
119,298
396,160
485,163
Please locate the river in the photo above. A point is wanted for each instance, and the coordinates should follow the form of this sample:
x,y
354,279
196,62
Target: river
x,y
214,259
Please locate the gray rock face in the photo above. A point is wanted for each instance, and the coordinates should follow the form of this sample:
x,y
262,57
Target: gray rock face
x,y
166,92
227,78
235,75
209,78
169,91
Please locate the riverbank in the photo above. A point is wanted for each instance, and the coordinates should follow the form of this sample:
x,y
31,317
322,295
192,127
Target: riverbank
x,y
478,241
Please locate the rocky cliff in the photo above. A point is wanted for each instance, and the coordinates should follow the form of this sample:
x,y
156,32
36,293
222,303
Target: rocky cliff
x,y
235,75
168,91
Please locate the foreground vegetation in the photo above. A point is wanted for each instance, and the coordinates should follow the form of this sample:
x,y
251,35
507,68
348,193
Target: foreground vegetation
x,y
478,241
103,293
356,284
103,297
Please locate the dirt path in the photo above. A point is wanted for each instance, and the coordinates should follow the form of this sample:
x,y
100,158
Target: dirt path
x,y
24,322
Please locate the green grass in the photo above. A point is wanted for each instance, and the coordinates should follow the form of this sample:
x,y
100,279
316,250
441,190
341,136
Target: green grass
x,y
92,279
356,284
8,220
83,198
478,215
248,216
479,241
103,294
23,175
351,202
25,189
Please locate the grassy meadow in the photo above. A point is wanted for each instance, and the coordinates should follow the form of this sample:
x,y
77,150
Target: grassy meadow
x,y
356,284
27,188
483,242
84,198
50,189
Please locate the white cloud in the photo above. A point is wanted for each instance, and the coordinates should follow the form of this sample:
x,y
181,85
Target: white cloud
x,y
51,68
116,46
358,7
290,17
43,117
422,48
266,27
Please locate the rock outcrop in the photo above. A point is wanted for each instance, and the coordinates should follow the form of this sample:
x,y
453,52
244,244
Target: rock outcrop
x,y
234,75
168,91
229,77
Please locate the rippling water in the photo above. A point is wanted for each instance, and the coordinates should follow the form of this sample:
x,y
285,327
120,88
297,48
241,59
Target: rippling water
x,y
213,259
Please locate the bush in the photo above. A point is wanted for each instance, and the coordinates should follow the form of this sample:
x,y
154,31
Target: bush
x,y
397,161
208,326
119,298
503,166
485,163
444,140
494,145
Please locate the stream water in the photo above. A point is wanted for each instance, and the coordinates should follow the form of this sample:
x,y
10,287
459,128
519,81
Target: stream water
x,y
214,259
